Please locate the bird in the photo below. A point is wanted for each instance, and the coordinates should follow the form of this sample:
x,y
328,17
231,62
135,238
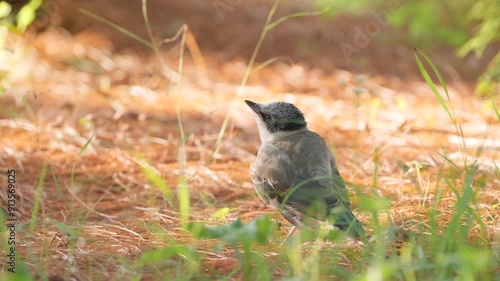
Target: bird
x,y
296,173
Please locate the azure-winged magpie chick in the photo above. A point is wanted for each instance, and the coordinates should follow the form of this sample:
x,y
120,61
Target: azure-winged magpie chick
x,y
296,173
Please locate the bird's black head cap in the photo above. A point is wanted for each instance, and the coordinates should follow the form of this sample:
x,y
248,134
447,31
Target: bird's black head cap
x,y
279,116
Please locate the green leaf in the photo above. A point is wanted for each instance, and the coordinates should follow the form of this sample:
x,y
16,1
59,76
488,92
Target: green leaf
x,y
161,255
221,213
5,9
25,17
374,204
476,259
27,14
256,231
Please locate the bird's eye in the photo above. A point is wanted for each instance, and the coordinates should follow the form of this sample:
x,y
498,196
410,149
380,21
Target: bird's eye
x,y
270,119
266,117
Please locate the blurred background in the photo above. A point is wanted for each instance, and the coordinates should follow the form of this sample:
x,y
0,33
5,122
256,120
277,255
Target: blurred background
x,y
372,37
113,107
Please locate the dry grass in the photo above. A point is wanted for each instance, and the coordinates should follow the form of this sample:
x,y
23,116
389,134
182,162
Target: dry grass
x,y
98,227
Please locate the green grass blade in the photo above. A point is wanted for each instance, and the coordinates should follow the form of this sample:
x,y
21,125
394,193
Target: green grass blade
x,y
257,48
436,71
78,156
148,27
495,108
294,15
268,26
63,228
118,28
429,82
184,198
27,14
85,145
38,198
440,98
154,177
168,72
270,61
3,231
58,186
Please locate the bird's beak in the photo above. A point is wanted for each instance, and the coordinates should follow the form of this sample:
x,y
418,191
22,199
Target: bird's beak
x,y
254,106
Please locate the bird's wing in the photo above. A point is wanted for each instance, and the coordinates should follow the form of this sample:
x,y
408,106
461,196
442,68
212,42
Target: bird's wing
x,y
272,173
326,186
311,196
339,187
322,199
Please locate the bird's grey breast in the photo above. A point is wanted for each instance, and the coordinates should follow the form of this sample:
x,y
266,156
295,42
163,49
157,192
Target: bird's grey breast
x,y
272,172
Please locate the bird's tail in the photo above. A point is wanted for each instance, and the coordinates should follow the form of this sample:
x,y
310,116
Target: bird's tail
x,y
347,221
